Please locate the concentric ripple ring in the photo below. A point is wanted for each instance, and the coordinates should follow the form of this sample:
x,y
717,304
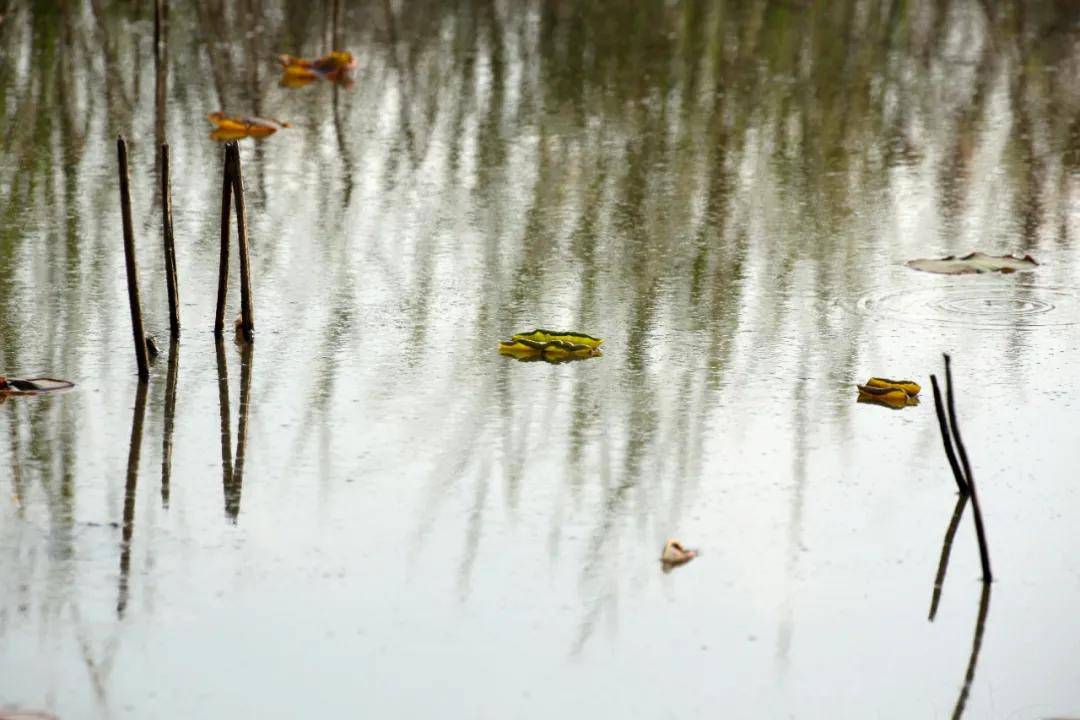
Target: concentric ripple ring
x,y
1012,306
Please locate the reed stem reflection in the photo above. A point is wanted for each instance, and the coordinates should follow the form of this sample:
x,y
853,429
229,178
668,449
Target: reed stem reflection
x,y
128,525
976,646
231,508
232,470
170,416
246,352
946,550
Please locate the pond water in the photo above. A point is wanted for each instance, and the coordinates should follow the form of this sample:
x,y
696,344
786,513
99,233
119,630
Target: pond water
x,y
369,511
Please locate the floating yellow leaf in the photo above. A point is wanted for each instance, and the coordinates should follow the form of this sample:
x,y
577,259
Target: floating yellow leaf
x,y
295,76
335,67
893,397
908,386
573,338
235,127
552,350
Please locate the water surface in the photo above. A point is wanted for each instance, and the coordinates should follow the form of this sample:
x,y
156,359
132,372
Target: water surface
x,y
370,512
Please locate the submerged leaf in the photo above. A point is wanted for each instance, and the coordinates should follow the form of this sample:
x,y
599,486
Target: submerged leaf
x,y
575,338
908,386
975,262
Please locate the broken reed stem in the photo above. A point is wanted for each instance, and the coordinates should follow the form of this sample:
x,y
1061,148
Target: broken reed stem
x,y
223,262
134,303
247,314
980,530
939,407
170,245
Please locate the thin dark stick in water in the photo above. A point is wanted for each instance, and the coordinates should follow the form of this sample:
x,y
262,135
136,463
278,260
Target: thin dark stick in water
x,y
247,313
223,261
946,550
980,530
170,244
134,303
946,440
976,645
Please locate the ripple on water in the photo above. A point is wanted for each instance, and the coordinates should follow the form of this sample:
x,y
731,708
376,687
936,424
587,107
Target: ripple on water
x,y
1009,306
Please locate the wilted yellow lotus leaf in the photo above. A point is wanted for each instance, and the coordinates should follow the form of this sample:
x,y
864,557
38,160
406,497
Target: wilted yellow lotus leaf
x,y
334,67
235,127
552,350
894,398
908,386
295,76
574,338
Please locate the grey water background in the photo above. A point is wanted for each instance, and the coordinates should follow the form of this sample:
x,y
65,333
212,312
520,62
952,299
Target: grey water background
x,y
370,512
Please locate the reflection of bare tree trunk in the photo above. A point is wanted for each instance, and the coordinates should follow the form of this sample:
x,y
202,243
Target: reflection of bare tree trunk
x,y
98,670
16,462
128,527
170,413
343,149
335,24
211,22
976,645
232,473
160,94
946,550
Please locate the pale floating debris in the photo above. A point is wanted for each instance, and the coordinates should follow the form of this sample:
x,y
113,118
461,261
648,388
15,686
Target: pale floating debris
x,y
675,554
975,262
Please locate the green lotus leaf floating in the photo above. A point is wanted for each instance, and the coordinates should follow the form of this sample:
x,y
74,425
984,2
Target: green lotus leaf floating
x,y
551,345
